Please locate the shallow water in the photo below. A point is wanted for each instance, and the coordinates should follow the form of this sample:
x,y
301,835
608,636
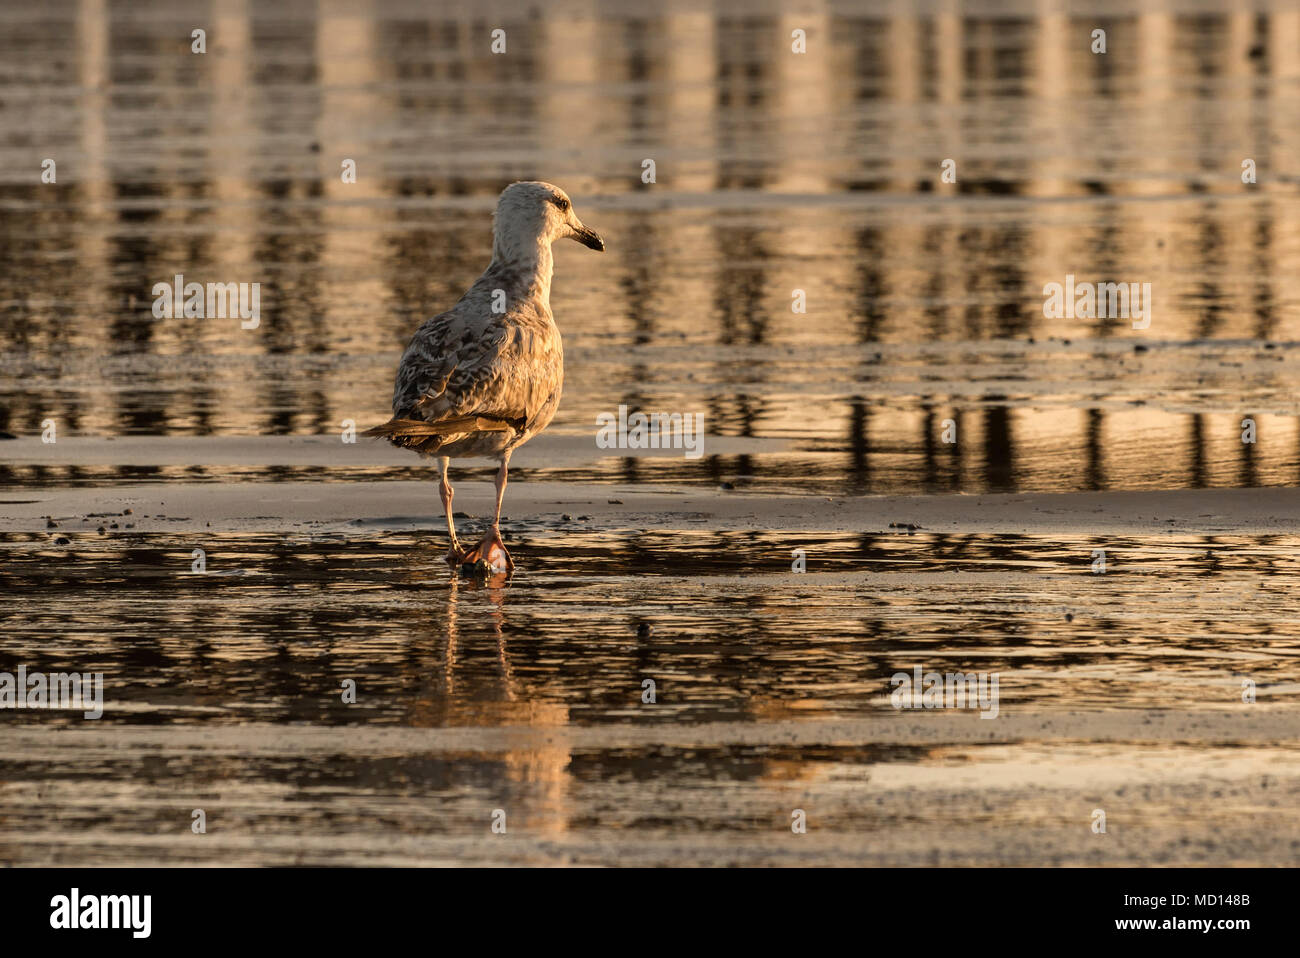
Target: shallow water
x,y
278,620
775,173
527,696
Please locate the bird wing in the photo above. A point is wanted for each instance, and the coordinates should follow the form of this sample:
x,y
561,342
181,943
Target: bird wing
x,y
463,365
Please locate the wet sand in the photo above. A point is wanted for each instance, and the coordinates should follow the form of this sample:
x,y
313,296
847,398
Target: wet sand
x,y
323,483
940,791
524,694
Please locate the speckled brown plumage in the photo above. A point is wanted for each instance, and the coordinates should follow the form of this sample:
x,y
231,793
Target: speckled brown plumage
x,y
485,376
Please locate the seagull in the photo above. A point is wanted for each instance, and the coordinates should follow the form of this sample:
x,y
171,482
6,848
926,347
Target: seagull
x,y
484,377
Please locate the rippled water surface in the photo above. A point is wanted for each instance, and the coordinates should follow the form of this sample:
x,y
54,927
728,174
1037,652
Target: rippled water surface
x,y
776,172
223,689
278,621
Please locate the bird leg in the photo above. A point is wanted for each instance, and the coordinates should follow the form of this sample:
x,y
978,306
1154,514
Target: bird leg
x,y
491,550
455,554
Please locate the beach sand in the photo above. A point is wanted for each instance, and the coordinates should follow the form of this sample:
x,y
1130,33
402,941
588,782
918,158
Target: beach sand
x,y
525,695
223,503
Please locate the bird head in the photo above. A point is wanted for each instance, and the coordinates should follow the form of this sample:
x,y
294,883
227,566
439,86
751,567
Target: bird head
x,y
532,211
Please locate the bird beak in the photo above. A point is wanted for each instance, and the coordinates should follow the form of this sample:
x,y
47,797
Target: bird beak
x,y
589,238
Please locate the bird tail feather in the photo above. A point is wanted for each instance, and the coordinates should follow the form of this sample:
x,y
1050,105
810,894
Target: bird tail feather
x,y
429,436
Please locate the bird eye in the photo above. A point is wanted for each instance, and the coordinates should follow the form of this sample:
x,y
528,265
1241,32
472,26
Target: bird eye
x,y
563,204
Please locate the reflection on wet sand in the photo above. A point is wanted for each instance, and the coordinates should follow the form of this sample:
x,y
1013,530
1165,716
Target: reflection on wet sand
x,y
585,769
694,313
887,450
288,618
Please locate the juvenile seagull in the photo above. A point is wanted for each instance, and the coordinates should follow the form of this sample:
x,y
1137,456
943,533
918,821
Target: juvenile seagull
x,y
484,377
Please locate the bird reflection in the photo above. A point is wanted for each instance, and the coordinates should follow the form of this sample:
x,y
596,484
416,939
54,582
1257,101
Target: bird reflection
x,y
493,589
